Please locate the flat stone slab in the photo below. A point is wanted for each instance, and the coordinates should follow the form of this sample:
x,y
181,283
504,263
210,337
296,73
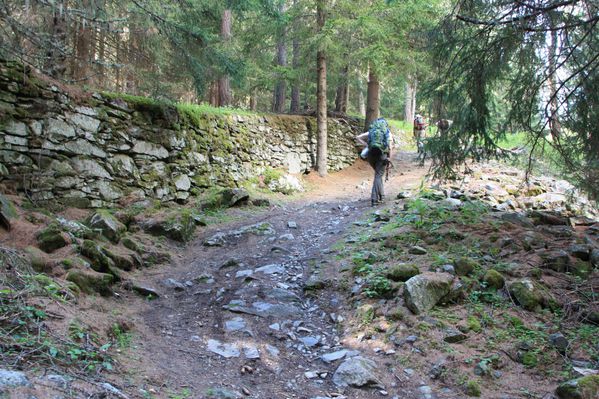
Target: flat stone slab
x,y
333,356
263,309
223,349
235,324
10,378
271,269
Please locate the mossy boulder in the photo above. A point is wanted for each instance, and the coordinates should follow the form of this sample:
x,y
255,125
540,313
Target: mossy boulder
x,y
465,266
581,388
527,294
7,209
178,226
91,282
39,260
402,272
581,268
595,258
494,279
108,225
98,260
122,258
424,291
556,260
52,238
132,244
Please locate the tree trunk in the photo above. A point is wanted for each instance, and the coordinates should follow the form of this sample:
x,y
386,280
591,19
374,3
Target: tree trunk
x,y
224,83
408,112
373,100
342,91
55,56
321,98
361,101
278,103
295,90
254,100
554,124
82,47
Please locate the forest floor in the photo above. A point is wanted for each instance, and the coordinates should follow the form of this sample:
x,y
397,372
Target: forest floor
x,y
297,300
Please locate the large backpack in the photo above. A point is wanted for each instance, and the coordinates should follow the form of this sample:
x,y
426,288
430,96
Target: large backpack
x,y
378,135
419,123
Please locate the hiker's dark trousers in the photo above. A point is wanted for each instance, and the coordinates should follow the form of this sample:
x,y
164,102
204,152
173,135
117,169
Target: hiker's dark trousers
x,y
378,160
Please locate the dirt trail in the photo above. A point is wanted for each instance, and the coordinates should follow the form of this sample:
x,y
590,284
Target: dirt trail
x,y
235,315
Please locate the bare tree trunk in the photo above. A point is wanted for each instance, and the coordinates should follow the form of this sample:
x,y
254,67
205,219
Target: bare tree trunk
x,y
408,113
554,124
373,100
254,100
295,90
83,45
361,101
224,83
342,91
321,98
56,56
280,92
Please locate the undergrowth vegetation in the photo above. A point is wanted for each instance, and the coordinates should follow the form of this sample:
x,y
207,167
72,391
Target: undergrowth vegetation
x,y
25,337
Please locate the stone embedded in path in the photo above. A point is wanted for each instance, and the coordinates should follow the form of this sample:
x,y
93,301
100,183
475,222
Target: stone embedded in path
x,y
223,349
291,224
217,240
10,378
271,269
251,352
244,273
356,372
310,342
235,324
263,309
424,291
333,356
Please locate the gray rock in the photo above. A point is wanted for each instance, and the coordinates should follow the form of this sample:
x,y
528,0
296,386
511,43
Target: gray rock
x,y
582,252
557,260
291,224
90,168
145,291
217,240
150,149
174,284
251,352
58,380
234,196
595,258
264,309
333,356
581,388
182,183
518,218
16,128
85,122
424,291
416,250
356,372
453,336
108,225
58,129
559,342
10,378
244,273
235,324
271,269
287,237
438,369
223,349
310,342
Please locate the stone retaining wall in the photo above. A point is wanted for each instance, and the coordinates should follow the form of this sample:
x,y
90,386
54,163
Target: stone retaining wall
x,y
93,150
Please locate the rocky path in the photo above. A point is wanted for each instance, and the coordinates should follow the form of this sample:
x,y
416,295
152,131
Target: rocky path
x,y
239,318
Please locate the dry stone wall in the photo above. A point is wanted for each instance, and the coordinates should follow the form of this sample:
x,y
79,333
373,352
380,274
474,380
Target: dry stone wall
x,y
93,150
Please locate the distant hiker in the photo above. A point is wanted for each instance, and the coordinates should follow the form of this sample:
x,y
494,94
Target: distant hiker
x,y
378,155
419,132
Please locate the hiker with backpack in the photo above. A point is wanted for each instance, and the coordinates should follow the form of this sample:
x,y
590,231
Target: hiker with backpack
x,y
378,154
419,132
